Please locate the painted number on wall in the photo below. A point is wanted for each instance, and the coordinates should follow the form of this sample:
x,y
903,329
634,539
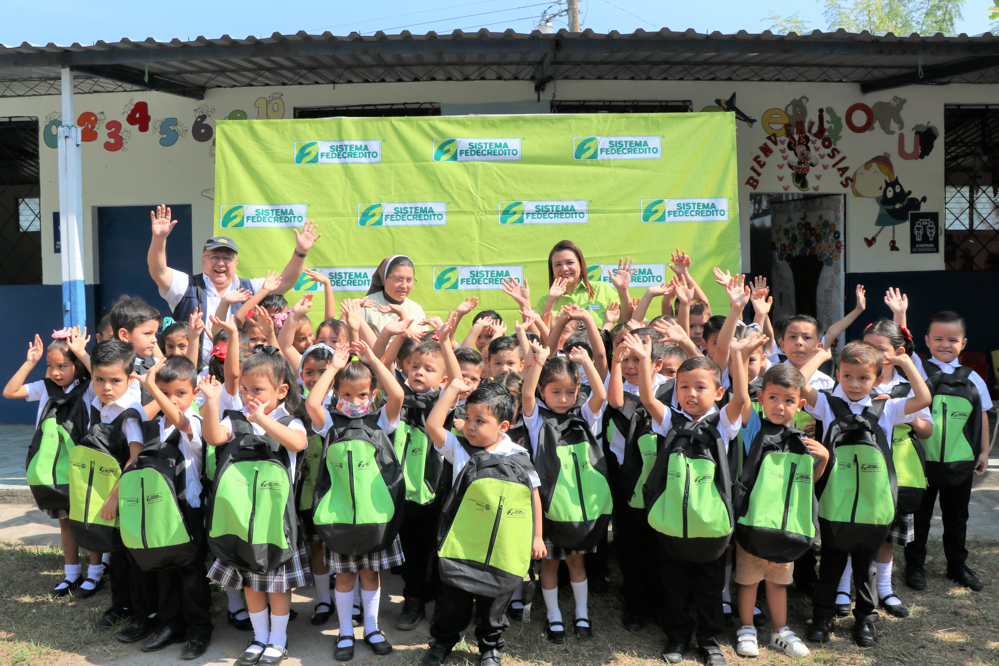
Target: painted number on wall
x,y
139,115
168,135
269,109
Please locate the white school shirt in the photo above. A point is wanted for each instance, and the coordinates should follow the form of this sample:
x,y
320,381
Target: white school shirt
x,y
949,368
727,429
819,381
895,380
892,414
628,410
278,413
383,422
110,411
38,393
191,446
455,453
534,422
178,287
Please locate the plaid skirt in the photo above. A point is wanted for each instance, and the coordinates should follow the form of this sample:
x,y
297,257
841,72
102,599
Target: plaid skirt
x,y
556,553
295,573
376,560
55,514
903,530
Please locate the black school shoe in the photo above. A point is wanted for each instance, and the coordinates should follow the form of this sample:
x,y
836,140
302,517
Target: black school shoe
x,y
112,616
673,652
435,654
382,647
915,577
555,635
241,625
844,610
84,593
273,661
966,577
321,616
632,620
136,630
863,633
713,656
196,646
66,591
582,630
821,629
515,614
898,610
412,612
163,638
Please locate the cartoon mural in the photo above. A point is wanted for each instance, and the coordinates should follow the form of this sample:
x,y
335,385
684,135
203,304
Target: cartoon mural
x,y
796,111
834,126
800,147
886,112
876,179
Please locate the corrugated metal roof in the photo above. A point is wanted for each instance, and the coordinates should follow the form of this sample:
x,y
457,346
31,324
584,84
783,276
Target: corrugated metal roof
x,y
190,68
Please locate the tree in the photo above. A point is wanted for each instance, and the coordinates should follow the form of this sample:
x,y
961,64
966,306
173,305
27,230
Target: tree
x,y
900,17
785,24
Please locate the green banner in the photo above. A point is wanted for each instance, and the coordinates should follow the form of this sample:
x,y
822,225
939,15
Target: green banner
x,y
475,199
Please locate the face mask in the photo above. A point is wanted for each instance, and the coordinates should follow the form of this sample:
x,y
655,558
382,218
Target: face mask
x,y
355,411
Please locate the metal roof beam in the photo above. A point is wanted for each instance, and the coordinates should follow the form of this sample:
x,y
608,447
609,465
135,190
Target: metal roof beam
x,y
930,74
537,47
138,79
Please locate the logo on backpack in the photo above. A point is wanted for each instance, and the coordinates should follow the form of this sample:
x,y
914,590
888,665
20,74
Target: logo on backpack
x,y
700,480
153,498
108,471
871,467
482,506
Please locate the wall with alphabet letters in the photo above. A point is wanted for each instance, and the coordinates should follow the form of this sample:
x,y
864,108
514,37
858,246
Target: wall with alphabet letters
x,y
884,151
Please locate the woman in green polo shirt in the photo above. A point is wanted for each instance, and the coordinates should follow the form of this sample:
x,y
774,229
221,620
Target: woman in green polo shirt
x,y
569,284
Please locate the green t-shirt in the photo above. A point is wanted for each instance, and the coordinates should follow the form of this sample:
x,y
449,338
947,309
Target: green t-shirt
x,y
603,295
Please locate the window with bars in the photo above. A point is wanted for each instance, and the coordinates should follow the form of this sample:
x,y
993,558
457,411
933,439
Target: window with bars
x,y
971,190
20,207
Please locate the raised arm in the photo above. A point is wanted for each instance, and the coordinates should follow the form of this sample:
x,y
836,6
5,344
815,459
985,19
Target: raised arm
x,y
535,356
77,344
438,415
451,366
646,389
665,290
195,329
15,389
292,440
314,401
304,241
463,309
739,373
558,325
286,338
162,224
761,306
621,278
674,334
921,396
898,303
738,296
680,264
684,288
821,356
555,292
271,284
837,329
173,413
212,429
231,363
329,296
394,331
394,393
531,315
596,342
598,394
615,387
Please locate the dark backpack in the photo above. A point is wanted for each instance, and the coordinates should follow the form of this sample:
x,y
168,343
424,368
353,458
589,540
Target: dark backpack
x,y
575,487
774,499
155,516
144,365
688,495
857,493
486,528
252,522
194,298
953,450
95,465
359,495
910,459
640,447
421,463
63,422
304,493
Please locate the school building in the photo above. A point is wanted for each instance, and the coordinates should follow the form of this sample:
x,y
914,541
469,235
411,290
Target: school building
x,y
886,178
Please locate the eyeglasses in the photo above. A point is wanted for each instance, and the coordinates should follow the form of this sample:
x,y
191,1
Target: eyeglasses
x,y
402,280
216,258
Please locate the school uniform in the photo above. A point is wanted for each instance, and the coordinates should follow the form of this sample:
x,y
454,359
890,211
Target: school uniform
x,y
834,561
185,599
376,560
697,582
296,572
454,606
953,501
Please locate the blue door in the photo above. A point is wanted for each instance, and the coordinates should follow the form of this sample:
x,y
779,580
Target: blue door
x,y
123,235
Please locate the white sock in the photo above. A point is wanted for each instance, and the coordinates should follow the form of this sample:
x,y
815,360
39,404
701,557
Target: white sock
x,y
726,592
884,583
279,634
579,593
323,588
94,571
371,599
343,613
844,582
551,603
72,574
106,559
236,604
515,600
261,630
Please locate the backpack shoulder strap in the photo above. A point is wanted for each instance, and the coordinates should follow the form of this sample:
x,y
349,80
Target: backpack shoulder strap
x,y
876,409
53,389
838,406
901,390
80,389
95,415
240,426
963,373
931,369
129,413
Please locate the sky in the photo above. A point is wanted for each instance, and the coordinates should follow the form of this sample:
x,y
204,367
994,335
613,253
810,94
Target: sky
x,y
65,22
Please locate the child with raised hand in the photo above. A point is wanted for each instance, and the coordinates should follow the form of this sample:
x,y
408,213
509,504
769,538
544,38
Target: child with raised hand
x,y
273,409
860,367
831,338
780,398
697,388
358,328
185,600
531,317
329,296
356,384
136,323
465,363
665,290
232,396
63,398
487,325
296,334
583,318
490,410
762,303
272,282
390,341
738,295
672,333
463,309
550,413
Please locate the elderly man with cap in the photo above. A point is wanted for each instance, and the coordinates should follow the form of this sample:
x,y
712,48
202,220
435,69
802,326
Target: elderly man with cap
x,y
219,259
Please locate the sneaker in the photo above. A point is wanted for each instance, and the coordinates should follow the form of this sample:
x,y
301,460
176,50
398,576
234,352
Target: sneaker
x,y
435,654
745,642
412,613
673,652
787,643
713,656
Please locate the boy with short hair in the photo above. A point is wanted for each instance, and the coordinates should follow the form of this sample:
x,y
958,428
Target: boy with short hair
x,y
490,410
946,338
185,599
504,356
700,313
673,356
487,325
135,322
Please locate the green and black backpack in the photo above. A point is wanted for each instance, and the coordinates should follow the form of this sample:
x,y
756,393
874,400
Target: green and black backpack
x,y
909,457
688,495
575,486
775,506
421,463
311,463
640,447
252,522
857,493
359,492
486,528
95,465
154,513
953,450
63,422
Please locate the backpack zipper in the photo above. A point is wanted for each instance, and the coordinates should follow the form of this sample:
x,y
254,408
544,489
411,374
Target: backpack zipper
x,y
686,494
55,463
943,433
579,486
253,507
90,490
856,495
142,492
350,477
496,524
787,496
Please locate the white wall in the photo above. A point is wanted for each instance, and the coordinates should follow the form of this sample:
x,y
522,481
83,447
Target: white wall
x,y
144,172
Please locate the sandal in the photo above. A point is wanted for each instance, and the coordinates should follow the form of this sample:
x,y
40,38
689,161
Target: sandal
x,y
345,653
251,658
66,591
381,648
746,643
556,636
321,616
582,630
241,625
898,610
274,661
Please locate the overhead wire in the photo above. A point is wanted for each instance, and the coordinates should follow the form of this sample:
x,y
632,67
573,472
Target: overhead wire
x,y
455,18
627,12
422,11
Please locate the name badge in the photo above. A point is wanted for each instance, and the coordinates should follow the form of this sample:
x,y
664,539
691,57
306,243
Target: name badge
x,y
594,307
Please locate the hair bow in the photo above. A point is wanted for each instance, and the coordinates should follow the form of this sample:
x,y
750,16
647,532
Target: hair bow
x,y
167,322
64,334
219,351
905,331
280,318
